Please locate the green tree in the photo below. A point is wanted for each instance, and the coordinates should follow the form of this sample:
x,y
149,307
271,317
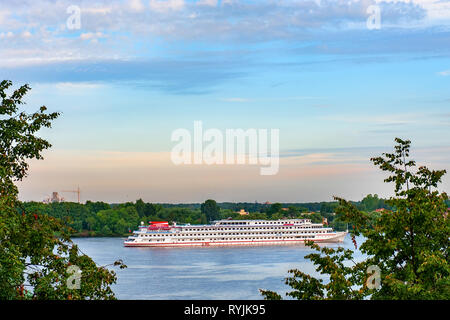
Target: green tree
x,y
292,212
327,207
277,216
371,202
273,209
315,217
106,231
152,209
140,208
95,207
210,209
91,222
35,249
409,244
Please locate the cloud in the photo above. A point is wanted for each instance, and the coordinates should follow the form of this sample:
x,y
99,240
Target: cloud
x,y
77,86
90,35
236,99
100,9
382,120
118,35
313,175
444,73
211,3
226,19
136,5
104,175
26,34
174,76
93,37
6,35
272,99
166,5
437,10
234,21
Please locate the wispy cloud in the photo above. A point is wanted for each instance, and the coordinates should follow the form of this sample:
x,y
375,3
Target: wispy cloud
x,y
236,100
127,176
200,20
91,35
175,76
313,175
77,86
127,33
384,120
444,73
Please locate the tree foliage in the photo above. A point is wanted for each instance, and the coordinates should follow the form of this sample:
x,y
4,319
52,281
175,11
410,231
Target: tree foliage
x,y
210,209
35,249
409,243
102,219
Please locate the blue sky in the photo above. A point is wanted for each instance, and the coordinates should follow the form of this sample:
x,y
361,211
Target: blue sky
x,y
137,70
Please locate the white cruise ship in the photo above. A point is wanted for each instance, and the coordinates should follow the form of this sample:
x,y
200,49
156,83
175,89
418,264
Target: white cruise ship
x,y
232,232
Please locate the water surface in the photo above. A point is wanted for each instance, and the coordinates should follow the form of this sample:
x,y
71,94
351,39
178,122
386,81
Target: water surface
x,y
200,273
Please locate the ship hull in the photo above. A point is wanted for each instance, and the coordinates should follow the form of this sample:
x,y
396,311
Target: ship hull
x,y
335,238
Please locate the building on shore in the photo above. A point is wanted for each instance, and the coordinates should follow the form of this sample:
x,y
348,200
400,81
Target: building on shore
x,y
242,212
55,197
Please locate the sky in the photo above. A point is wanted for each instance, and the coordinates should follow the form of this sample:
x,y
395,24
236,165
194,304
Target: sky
x,y
338,89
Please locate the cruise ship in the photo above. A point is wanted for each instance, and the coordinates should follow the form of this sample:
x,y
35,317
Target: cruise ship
x,y
232,232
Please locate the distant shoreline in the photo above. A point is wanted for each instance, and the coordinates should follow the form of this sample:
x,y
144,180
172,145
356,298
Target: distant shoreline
x,y
90,235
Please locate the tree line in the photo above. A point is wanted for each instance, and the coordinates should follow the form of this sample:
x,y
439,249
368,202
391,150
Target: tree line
x,y
103,219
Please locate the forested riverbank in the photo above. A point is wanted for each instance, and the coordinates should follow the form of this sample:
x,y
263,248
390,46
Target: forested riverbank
x,y
100,219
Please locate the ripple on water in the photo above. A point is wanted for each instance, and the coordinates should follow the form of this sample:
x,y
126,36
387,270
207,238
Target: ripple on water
x,y
200,273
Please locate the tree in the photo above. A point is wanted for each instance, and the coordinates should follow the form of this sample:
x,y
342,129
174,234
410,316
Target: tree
x,y
274,208
152,209
97,206
292,212
327,207
408,245
35,249
140,207
371,202
210,209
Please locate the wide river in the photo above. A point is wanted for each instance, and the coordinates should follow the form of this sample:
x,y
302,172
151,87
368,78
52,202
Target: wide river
x,y
230,273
